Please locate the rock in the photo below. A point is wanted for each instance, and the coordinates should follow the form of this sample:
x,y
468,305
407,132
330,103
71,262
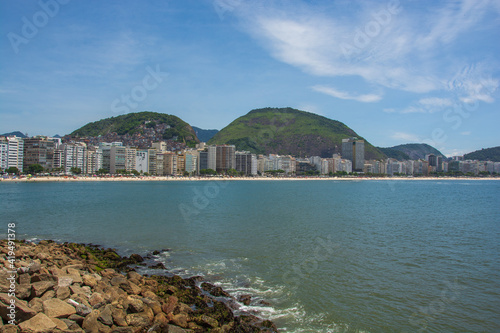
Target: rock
x,y
157,266
207,321
38,323
195,327
63,293
176,329
56,308
23,311
23,291
153,305
245,299
71,325
91,323
161,319
138,319
48,294
83,310
64,281
180,320
136,258
118,280
76,318
89,280
40,287
77,290
36,304
170,305
59,323
131,288
135,305
106,316
134,275
9,329
119,316
43,277
96,299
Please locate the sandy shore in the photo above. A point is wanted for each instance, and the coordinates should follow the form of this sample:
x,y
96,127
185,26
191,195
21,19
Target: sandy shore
x,y
167,178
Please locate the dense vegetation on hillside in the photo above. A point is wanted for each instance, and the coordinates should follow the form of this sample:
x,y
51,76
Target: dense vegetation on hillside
x,y
203,134
394,153
289,131
488,154
133,122
410,151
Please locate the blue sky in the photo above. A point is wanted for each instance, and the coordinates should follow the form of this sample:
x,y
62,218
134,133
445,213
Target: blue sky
x,y
394,71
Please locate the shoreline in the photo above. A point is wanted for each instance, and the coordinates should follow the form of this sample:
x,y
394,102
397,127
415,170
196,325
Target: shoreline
x,y
62,287
190,179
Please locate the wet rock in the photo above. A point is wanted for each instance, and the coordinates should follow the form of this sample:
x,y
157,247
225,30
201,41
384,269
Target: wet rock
x,y
157,266
38,323
245,299
214,290
136,258
56,308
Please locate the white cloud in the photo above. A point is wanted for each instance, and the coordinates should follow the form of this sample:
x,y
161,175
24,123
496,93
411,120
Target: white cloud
x,y
407,137
397,50
368,98
465,133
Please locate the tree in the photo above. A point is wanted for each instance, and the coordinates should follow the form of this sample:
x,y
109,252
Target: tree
x,y
13,170
185,174
208,172
102,171
75,170
35,168
136,173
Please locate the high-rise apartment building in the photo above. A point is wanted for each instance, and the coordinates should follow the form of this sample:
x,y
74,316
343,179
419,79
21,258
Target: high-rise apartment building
x,y
39,150
226,158
353,150
11,152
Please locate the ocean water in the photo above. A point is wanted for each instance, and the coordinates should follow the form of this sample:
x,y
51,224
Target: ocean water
x,y
316,256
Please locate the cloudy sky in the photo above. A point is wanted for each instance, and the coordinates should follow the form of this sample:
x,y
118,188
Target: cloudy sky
x,y
394,71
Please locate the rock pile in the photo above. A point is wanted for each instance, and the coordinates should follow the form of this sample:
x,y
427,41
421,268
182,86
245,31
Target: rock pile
x,y
80,288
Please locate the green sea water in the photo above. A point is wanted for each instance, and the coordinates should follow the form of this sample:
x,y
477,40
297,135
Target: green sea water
x,y
316,256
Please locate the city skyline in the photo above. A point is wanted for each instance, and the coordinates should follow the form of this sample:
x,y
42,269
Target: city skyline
x,y
374,67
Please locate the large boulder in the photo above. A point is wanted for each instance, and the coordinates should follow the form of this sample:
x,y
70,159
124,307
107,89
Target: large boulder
x,y
38,323
56,308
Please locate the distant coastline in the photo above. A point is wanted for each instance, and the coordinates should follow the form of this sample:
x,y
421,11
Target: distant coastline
x,y
170,178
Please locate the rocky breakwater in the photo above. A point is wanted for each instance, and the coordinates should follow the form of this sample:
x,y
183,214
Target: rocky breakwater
x,y
79,288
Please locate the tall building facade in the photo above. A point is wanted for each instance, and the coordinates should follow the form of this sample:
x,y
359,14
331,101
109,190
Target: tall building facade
x,y
39,150
353,150
226,158
11,152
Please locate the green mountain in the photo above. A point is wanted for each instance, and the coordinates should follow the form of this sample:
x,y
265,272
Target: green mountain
x,y
410,151
136,123
488,154
287,131
203,134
